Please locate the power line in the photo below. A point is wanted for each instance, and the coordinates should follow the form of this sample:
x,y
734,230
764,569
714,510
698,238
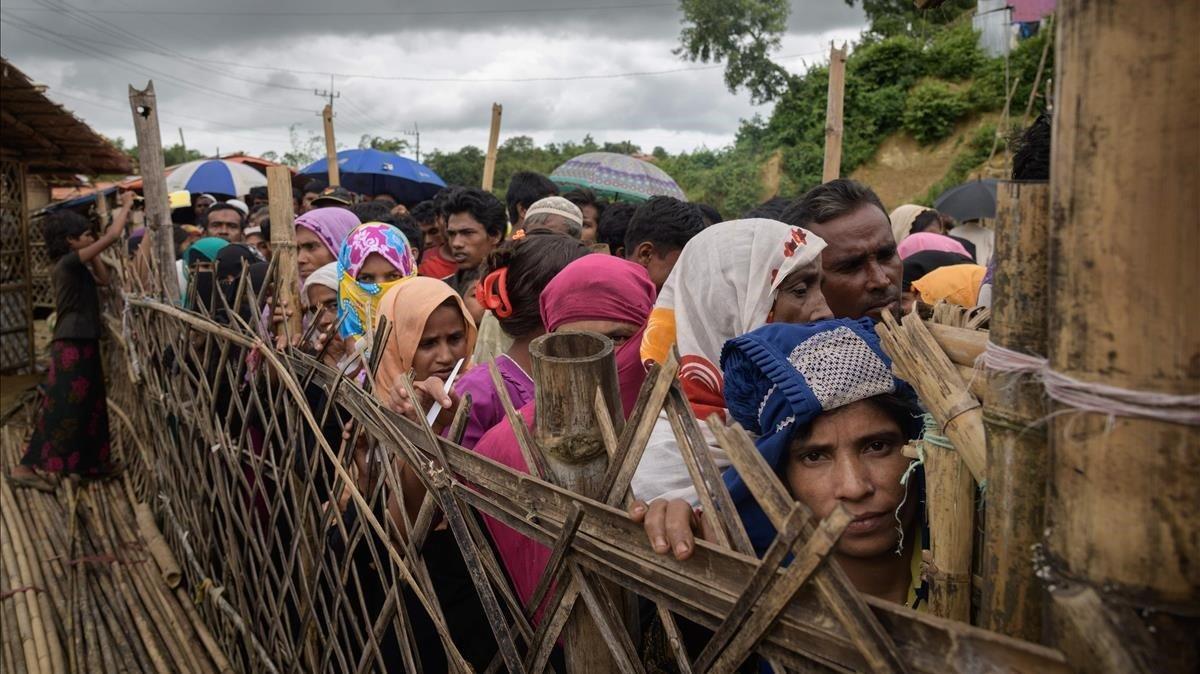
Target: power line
x,y
50,36
366,13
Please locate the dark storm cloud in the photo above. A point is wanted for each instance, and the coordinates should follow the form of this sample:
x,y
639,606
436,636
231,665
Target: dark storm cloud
x,y
88,51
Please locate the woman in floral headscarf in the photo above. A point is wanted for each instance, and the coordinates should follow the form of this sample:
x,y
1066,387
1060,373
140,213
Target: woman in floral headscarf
x,y
731,278
374,258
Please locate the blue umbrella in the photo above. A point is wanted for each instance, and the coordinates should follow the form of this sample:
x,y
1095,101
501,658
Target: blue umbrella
x,y
368,171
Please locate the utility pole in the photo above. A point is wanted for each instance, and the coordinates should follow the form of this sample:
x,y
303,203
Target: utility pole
x,y
331,164
416,132
182,143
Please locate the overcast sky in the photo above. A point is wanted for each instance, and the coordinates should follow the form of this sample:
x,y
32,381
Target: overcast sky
x,y
235,75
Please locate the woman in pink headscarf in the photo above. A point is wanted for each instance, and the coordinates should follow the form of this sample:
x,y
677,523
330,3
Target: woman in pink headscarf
x,y
320,234
596,293
915,243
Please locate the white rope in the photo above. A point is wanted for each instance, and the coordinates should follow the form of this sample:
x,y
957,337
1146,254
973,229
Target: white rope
x,y
1112,401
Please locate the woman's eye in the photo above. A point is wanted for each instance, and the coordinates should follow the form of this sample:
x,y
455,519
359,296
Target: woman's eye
x,y
812,457
878,447
800,292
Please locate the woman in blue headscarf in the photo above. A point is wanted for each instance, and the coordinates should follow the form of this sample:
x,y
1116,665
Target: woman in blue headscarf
x,y
831,420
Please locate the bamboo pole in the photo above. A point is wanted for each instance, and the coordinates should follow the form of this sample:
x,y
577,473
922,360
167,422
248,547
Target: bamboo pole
x,y
1013,599
331,161
489,162
571,369
283,247
951,506
1124,502
159,231
832,168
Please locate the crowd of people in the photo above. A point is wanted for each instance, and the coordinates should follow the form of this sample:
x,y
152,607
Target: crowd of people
x,y
771,315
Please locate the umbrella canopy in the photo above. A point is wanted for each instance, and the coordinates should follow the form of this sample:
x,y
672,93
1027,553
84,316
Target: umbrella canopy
x,y
616,175
215,176
373,172
969,201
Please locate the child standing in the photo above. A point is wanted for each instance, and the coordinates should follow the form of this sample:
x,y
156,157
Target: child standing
x,y
71,434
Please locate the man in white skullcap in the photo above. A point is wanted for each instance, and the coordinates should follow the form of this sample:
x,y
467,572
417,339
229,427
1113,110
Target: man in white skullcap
x,y
555,214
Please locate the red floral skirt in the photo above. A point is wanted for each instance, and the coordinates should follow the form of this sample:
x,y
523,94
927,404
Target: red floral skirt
x,y
71,434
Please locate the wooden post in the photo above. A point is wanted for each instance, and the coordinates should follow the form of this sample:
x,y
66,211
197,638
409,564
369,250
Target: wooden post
x,y
1013,598
283,246
833,114
569,368
1123,507
951,506
489,163
331,162
159,232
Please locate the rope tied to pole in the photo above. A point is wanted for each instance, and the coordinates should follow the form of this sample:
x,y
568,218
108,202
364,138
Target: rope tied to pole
x,y
1082,396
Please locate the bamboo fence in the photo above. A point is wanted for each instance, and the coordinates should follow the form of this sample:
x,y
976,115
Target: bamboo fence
x,y
275,557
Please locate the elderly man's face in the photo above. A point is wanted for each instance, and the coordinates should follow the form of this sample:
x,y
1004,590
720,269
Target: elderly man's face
x,y
861,265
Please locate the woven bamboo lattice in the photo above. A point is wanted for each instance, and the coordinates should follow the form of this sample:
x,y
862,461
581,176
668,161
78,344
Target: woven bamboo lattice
x,y
245,455
16,331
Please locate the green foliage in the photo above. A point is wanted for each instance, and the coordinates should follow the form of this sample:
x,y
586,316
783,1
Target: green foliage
x,y
742,33
178,154
976,151
728,179
897,60
888,18
954,53
931,110
393,145
172,155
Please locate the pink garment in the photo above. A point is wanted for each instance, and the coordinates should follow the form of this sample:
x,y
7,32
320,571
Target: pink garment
x,y
331,225
915,243
604,288
594,287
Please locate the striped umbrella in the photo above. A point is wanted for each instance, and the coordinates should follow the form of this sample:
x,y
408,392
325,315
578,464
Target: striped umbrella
x,y
617,176
215,176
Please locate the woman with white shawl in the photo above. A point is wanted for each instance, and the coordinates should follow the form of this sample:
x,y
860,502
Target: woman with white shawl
x,y
731,278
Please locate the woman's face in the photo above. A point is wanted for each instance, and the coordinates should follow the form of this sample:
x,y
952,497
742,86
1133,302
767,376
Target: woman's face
x,y
377,269
617,331
201,266
799,298
311,253
443,343
324,306
852,456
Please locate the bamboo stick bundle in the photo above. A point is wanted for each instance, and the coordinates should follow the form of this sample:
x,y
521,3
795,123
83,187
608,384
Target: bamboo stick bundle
x,y
33,649
918,359
120,595
149,585
44,615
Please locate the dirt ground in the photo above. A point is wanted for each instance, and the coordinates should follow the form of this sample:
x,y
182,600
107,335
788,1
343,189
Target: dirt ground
x,y
903,170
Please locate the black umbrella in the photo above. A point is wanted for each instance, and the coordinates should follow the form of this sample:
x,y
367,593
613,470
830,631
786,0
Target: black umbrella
x,y
969,201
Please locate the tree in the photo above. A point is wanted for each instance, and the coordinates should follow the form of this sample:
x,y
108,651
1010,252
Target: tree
x,y
393,145
742,33
887,18
178,154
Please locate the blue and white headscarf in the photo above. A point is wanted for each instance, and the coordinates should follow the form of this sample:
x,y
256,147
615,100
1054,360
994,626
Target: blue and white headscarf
x,y
781,377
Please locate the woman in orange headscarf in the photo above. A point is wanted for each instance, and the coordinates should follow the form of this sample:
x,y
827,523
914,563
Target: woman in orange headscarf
x,y
430,332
